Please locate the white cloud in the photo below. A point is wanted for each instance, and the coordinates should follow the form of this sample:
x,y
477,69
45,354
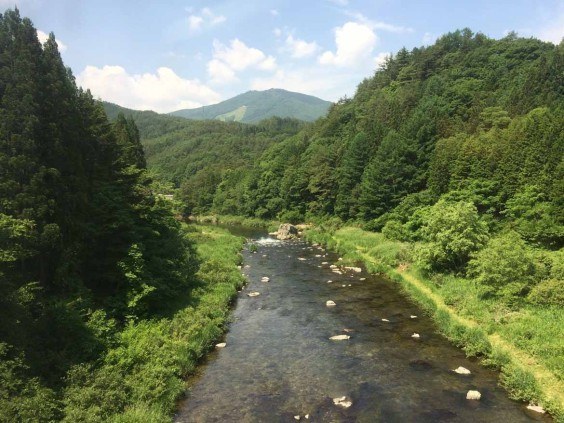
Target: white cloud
x,y
339,2
274,12
42,36
277,32
378,25
553,31
300,48
220,73
163,91
355,43
205,19
380,59
227,60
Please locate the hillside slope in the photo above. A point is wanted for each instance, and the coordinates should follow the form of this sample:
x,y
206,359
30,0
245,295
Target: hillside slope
x,y
254,106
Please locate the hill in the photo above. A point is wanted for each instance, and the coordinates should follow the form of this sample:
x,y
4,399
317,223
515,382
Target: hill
x,y
254,106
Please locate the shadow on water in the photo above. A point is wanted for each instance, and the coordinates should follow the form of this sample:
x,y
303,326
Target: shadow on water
x,y
279,361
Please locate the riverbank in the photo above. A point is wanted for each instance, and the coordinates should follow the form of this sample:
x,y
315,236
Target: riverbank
x,y
526,345
142,376
249,222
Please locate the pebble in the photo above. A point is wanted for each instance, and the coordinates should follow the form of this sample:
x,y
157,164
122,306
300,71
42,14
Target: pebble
x,y
385,320
362,279
330,303
329,281
220,345
473,395
413,316
296,417
415,335
253,294
339,337
342,402
536,408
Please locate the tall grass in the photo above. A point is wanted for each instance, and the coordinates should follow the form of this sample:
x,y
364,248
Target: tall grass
x,y
141,378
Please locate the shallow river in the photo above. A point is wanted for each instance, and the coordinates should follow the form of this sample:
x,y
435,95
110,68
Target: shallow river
x,y
279,361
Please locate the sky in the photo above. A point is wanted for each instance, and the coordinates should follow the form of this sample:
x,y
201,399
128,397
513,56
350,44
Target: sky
x,y
172,54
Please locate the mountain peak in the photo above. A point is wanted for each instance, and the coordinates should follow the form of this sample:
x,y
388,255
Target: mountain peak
x,y
254,106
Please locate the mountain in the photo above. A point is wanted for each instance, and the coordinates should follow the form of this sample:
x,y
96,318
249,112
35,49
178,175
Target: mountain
x,y
254,106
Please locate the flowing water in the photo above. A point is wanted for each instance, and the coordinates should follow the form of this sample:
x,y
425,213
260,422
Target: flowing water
x,y
279,361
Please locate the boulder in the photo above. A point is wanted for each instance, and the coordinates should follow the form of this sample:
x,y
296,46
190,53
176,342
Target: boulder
x,y
330,303
473,395
287,231
462,370
536,408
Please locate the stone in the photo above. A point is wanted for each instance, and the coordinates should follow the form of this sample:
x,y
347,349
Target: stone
x,y
333,266
330,303
462,370
296,417
338,272
324,262
265,279
473,395
342,402
348,330
536,408
339,338
287,231
354,269
415,336
329,281
301,259
385,320
413,316
362,279
253,294
318,255
220,345
307,416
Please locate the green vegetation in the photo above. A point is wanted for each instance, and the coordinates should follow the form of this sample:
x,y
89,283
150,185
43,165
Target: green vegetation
x,y
103,310
254,106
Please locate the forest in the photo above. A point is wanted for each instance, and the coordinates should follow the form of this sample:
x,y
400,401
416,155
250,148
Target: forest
x,y
455,150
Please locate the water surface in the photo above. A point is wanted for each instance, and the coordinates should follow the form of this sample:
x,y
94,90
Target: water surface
x,y
279,361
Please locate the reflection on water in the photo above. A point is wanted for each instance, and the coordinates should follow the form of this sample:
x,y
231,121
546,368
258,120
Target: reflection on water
x,y
279,361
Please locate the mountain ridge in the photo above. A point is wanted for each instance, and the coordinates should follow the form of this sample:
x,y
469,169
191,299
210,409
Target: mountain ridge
x,y
254,106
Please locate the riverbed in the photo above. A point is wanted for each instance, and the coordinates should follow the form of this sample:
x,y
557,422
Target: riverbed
x,y
279,363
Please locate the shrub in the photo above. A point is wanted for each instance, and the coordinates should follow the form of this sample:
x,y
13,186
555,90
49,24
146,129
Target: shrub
x,y
292,216
505,266
548,292
452,231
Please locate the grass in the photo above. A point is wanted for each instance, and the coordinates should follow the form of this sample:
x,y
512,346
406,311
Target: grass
x,y
250,222
141,378
526,344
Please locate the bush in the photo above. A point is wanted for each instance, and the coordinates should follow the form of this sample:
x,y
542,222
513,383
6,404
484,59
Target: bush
x,y
452,231
292,216
548,292
505,266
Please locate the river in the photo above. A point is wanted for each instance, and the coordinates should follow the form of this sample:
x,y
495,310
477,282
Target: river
x,y
279,362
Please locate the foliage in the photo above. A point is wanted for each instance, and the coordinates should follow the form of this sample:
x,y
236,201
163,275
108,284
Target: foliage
x,y
451,232
548,292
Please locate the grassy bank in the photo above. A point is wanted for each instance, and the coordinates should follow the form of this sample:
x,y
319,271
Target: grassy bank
x,y
143,373
526,344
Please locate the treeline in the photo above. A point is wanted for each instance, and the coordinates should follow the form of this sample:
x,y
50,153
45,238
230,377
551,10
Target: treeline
x,y
86,248
469,129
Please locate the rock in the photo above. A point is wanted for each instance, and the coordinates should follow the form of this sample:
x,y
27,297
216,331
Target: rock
x,y
415,336
473,395
340,258
287,231
348,330
307,416
385,320
330,303
318,255
264,255
296,417
344,286
332,266
362,279
301,259
413,316
265,279
354,269
338,272
220,345
462,370
247,266
536,408
342,402
339,337
349,284
324,262
253,294
329,281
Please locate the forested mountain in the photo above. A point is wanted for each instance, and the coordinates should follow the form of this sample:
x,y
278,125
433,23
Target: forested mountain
x,y
470,118
85,246
254,106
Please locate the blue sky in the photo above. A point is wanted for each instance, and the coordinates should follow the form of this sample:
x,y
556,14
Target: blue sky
x,y
169,55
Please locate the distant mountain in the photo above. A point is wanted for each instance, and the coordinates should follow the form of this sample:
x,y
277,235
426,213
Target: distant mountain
x,y
254,106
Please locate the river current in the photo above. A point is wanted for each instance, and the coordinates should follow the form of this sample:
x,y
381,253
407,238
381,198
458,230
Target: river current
x,y
280,365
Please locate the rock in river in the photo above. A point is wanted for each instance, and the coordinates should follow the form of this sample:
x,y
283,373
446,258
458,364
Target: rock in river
x,y
339,338
253,294
330,303
342,402
220,345
287,231
462,370
473,395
